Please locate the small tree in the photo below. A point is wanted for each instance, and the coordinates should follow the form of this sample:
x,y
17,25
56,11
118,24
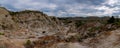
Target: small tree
x,y
111,20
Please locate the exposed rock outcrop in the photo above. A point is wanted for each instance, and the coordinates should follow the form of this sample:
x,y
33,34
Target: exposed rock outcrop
x,y
27,22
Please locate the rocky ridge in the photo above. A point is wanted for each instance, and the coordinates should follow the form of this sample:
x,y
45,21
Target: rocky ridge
x,y
27,24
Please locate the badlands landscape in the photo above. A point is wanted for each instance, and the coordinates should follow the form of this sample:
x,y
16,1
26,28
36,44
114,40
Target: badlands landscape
x,y
35,29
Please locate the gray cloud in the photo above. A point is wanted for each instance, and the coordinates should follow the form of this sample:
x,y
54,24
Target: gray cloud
x,y
66,7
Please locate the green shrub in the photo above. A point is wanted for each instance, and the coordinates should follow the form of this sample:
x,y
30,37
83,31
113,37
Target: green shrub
x,y
78,23
117,23
1,33
94,29
29,44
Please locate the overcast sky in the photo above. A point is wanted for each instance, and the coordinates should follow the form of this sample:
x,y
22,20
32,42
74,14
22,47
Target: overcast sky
x,y
63,8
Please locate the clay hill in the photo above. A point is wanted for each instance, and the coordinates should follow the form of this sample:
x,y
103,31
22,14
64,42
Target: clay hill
x,y
35,29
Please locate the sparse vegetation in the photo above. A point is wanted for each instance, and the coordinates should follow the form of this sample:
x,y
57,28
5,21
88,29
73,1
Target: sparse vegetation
x,y
111,20
2,46
1,33
93,29
115,21
78,37
26,11
78,23
29,44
